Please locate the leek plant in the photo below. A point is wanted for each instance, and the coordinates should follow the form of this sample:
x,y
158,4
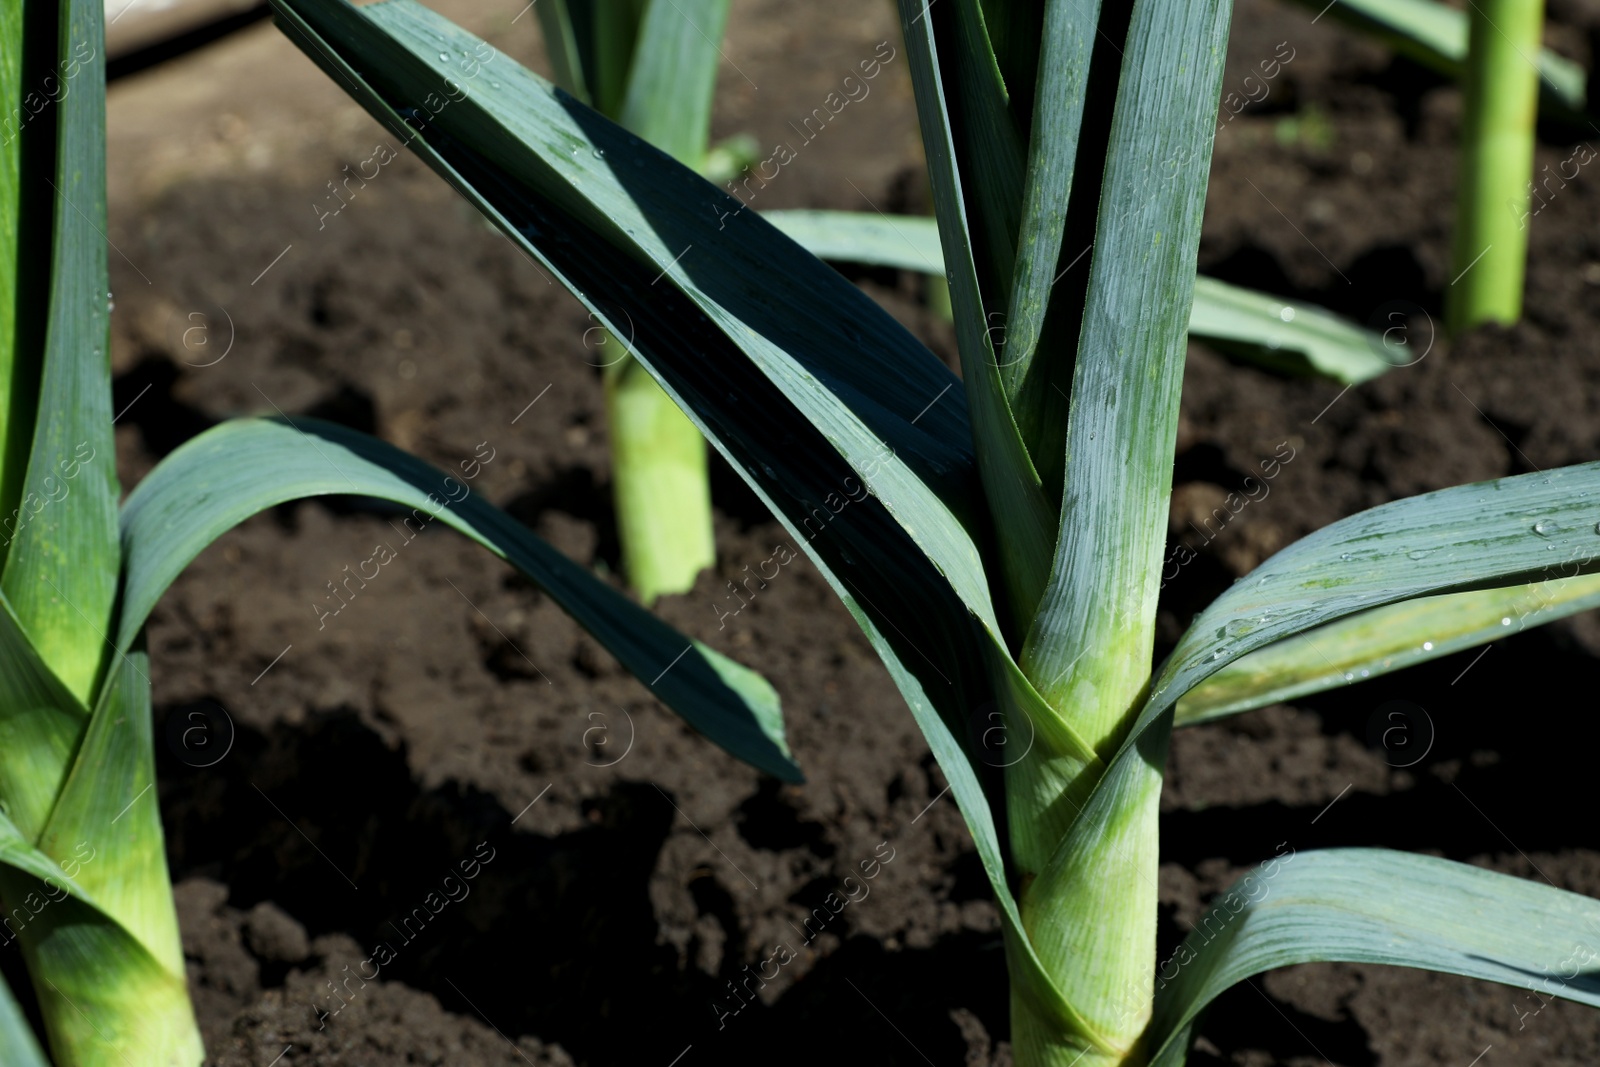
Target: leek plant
x,y
1003,552
84,887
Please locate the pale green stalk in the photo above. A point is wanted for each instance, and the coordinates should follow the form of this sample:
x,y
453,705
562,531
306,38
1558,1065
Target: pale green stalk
x,y
1496,160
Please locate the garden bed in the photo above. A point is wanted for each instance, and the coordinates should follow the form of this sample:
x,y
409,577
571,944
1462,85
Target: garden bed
x,y
450,715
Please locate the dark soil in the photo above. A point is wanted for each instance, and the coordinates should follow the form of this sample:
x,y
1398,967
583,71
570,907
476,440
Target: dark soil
x,y
451,713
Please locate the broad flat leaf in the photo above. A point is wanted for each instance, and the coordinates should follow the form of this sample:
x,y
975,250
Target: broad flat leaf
x,y
674,74
235,470
40,727
1257,327
1532,527
1374,906
1380,641
1436,37
1092,637
1293,337
786,418
1024,519
60,575
16,1036
705,296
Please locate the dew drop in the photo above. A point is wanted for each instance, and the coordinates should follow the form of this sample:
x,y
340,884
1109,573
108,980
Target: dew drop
x,y
1366,673
1546,527
599,153
1349,677
1286,314
1506,621
1427,646
444,57
1418,553
1347,556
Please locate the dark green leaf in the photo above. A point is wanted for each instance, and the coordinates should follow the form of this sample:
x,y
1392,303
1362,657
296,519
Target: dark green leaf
x,y
229,473
978,247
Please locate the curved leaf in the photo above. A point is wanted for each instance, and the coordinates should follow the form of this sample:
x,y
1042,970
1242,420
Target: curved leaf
x,y
1293,337
1382,640
235,470
1531,527
1375,906
704,294
1455,540
613,216
1257,327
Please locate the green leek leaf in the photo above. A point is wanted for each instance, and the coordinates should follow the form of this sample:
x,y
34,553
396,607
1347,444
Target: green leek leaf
x,y
69,502
1384,639
217,480
1091,641
1360,905
979,251
673,76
